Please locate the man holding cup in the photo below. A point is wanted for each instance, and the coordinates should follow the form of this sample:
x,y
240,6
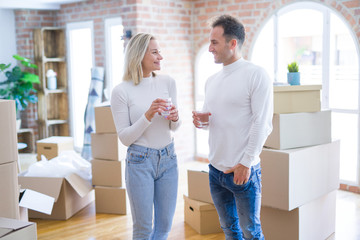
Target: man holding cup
x,y
239,104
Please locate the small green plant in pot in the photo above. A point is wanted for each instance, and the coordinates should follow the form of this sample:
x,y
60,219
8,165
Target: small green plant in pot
x,y
18,84
293,76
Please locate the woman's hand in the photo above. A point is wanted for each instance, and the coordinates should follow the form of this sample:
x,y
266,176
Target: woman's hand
x,y
173,116
157,106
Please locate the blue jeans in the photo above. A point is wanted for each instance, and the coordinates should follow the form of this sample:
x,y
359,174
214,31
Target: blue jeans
x,y
151,177
238,206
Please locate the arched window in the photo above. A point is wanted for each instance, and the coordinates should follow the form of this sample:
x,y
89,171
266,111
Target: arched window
x,y
324,46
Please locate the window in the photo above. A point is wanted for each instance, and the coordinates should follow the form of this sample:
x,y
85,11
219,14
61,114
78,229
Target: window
x,y
205,67
80,58
325,49
114,53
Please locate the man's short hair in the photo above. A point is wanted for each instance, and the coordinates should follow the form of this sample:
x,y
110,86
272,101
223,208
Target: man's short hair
x,y
233,28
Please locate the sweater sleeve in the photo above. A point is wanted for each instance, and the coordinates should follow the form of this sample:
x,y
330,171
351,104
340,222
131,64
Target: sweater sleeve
x,y
173,94
128,133
262,110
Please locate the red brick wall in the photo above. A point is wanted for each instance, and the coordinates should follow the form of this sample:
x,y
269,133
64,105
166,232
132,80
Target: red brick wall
x,y
182,29
255,13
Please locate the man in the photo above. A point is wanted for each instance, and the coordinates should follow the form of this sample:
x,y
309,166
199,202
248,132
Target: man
x,y
239,99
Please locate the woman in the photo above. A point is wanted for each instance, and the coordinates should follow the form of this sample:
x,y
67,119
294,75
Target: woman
x,y
151,165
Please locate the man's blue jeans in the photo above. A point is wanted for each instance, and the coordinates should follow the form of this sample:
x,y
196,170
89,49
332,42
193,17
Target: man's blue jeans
x,y
151,177
238,206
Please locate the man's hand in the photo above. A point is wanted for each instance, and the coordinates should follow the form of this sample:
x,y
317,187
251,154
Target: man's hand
x,y
241,174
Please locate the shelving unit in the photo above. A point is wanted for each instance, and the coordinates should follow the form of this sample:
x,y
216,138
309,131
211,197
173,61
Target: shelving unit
x,y
53,105
26,135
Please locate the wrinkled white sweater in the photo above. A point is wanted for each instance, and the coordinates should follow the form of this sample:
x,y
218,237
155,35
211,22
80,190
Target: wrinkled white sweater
x,y
240,100
129,104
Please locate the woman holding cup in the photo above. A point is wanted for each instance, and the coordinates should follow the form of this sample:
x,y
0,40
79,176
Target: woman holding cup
x,y
144,108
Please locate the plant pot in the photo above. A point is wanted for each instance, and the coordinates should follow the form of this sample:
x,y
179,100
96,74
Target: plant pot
x,y
293,78
18,124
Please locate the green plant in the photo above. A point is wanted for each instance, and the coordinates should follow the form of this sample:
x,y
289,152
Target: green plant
x,y
18,84
293,67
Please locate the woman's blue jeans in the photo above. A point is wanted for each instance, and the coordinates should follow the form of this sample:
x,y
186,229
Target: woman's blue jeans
x,y
238,206
152,182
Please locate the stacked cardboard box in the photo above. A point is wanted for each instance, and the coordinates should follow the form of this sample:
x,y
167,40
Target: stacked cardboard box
x,y
9,190
199,209
10,209
300,167
108,164
52,146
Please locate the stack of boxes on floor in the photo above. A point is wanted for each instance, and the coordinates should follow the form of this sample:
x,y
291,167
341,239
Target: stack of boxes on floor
x,y
300,168
108,164
10,225
199,209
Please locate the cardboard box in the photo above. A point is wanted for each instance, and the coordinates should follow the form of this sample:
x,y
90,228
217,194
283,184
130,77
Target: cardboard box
x,y
104,122
293,99
8,135
11,229
312,221
52,146
201,216
9,191
107,173
294,177
71,193
111,200
107,146
293,130
198,186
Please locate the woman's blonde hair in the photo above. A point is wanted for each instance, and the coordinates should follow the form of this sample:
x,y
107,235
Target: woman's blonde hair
x,y
134,54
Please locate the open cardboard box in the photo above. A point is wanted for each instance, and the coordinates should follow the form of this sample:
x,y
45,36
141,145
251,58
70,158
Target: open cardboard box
x,y
71,194
11,229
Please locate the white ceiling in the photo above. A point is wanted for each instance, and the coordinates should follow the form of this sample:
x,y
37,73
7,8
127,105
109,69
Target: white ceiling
x,y
35,4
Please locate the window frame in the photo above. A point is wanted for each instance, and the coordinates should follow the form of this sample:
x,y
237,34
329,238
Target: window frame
x,y
69,27
109,82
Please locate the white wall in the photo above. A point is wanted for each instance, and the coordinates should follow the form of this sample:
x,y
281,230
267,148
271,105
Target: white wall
x,y
7,37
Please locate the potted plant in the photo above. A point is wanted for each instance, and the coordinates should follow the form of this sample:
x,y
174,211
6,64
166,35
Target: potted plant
x,y
18,84
293,76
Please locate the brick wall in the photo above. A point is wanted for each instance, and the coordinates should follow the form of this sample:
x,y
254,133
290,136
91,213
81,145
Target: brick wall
x,y
180,26
255,13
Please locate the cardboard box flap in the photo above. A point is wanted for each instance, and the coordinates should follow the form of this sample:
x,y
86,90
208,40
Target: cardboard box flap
x,y
8,225
80,185
36,201
48,186
297,88
198,205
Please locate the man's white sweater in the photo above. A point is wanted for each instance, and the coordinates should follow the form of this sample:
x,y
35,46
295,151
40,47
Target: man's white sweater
x,y
240,100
